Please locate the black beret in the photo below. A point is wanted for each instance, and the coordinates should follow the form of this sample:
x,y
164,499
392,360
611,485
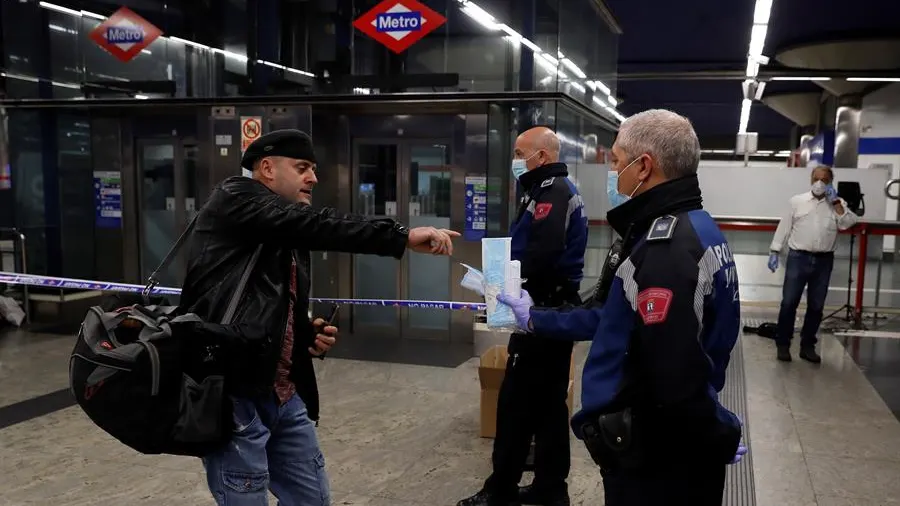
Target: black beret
x,y
291,143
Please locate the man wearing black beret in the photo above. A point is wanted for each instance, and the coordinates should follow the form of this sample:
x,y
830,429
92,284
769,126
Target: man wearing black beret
x,y
274,444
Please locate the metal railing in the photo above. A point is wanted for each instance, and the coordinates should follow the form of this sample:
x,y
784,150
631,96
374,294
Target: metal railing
x,y
22,267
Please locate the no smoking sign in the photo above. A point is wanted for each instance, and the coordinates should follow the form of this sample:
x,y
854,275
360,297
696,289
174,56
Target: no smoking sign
x,y
251,129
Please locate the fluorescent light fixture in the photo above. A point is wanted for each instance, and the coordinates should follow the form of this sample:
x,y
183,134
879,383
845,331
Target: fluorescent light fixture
x,y
752,68
543,58
480,15
875,79
141,97
66,85
59,8
745,115
762,11
602,87
32,79
571,66
612,100
799,78
758,39
227,54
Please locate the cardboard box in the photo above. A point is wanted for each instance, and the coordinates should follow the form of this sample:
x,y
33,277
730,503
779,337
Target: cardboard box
x,y
490,374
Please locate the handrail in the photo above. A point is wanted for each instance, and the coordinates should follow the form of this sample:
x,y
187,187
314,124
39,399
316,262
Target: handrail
x,y
22,256
760,223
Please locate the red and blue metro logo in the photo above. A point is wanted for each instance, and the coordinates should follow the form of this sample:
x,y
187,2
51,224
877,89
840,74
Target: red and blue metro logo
x,y
125,34
398,24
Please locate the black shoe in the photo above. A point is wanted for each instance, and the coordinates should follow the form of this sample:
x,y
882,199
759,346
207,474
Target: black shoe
x,y
484,498
532,496
784,354
810,355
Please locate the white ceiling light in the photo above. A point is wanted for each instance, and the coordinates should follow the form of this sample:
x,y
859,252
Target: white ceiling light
x,y
543,58
799,78
875,79
761,13
228,54
745,115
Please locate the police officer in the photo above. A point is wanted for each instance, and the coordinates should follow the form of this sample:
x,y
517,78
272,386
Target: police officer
x,y
663,331
549,236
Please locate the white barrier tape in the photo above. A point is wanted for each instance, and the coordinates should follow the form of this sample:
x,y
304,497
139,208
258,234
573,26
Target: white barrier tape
x,y
14,278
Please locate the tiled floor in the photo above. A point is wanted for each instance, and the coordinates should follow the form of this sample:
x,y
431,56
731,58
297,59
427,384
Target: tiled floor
x,y
401,435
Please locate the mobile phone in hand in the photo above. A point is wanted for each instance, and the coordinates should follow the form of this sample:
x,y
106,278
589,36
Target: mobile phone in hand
x,y
333,316
329,321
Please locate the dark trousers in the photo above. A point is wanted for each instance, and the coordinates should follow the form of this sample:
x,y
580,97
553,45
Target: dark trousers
x,y
686,483
813,272
532,403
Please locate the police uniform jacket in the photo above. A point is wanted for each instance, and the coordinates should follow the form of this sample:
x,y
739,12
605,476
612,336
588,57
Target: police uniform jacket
x,y
662,339
549,235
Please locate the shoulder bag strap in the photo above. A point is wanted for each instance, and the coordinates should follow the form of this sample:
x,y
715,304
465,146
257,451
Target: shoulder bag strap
x,y
242,284
152,281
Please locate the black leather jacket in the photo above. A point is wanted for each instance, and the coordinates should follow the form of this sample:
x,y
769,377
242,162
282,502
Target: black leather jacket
x,y
241,214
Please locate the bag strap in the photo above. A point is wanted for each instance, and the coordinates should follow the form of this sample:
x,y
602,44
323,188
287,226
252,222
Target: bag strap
x,y
242,284
152,281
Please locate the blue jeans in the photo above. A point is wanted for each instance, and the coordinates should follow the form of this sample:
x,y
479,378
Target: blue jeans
x,y
273,447
810,271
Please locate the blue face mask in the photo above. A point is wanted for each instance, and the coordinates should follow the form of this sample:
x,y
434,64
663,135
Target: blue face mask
x,y
519,165
519,168
612,187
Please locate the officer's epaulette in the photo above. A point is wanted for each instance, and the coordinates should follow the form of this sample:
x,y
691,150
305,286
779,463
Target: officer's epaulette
x,y
662,228
548,182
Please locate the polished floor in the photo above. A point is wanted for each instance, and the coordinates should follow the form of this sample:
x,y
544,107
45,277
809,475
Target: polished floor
x,y
402,434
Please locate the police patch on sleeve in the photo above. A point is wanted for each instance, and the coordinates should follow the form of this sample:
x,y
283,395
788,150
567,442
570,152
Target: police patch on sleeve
x,y
662,228
541,211
653,305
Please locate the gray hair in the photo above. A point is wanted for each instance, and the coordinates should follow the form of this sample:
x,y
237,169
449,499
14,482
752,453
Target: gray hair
x,y
668,137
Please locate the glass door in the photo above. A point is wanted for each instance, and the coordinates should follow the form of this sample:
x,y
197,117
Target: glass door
x,y
167,185
375,191
408,181
425,277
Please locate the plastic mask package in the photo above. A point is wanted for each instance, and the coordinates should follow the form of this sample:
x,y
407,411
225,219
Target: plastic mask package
x,y
473,280
499,274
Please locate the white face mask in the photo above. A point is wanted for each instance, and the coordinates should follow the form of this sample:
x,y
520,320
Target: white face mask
x,y
818,188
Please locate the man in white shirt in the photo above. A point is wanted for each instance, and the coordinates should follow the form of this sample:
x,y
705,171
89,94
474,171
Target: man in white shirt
x,y
810,228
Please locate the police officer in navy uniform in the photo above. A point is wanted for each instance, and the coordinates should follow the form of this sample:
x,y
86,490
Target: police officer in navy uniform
x,y
549,236
662,325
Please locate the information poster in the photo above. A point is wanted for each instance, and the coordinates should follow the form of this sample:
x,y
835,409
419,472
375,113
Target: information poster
x,y
476,208
108,199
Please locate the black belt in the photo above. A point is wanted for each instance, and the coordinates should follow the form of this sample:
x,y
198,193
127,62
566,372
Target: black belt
x,y
816,253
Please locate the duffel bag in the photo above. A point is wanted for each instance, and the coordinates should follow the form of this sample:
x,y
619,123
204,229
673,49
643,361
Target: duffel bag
x,y
134,371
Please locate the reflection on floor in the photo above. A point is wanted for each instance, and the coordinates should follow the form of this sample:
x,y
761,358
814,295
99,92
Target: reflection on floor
x,y
407,350
402,435
879,358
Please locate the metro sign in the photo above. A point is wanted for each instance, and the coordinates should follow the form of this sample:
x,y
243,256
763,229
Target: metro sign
x,y
125,34
398,24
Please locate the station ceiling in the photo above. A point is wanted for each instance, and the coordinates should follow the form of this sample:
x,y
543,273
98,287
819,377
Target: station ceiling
x,y
692,56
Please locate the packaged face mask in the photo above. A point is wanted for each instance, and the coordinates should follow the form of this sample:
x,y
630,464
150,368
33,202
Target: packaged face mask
x,y
495,257
473,280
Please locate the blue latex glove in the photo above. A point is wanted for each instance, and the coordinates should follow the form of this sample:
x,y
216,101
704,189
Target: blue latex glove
x,y
831,194
773,262
741,451
520,306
